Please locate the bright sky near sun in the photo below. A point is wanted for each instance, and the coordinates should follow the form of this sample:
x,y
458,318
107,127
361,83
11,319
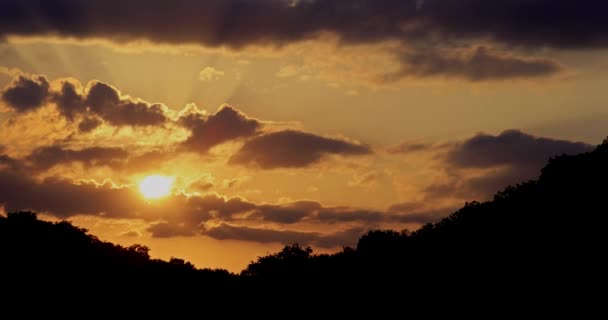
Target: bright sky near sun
x,y
222,141
155,186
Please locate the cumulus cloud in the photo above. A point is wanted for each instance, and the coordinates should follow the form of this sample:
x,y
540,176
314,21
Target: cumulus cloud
x,y
291,149
70,99
237,23
105,101
479,64
210,74
26,93
225,125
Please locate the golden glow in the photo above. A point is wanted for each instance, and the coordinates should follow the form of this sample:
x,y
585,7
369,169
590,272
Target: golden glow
x,y
156,186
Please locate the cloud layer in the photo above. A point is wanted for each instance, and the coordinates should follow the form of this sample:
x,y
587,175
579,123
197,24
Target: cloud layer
x,y
236,23
478,64
180,215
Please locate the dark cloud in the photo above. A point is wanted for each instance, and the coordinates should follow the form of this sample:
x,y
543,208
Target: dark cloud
x,y
398,213
235,23
168,230
290,149
116,158
70,99
213,205
340,215
26,93
511,147
89,124
225,231
105,101
47,157
505,159
479,65
315,212
63,198
225,125
287,213
6,162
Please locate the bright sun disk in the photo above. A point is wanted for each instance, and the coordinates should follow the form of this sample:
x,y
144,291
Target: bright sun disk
x,y
156,186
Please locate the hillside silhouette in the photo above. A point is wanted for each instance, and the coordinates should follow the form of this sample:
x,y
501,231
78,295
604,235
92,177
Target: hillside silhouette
x,y
544,237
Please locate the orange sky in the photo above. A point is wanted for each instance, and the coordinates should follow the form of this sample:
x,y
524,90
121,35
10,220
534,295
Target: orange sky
x,y
310,136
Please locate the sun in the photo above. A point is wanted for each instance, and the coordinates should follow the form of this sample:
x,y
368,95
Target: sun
x,y
156,186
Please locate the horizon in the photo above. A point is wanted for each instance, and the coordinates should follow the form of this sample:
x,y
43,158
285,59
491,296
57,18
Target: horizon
x,y
220,131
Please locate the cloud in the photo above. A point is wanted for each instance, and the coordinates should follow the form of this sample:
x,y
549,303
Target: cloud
x,y
409,147
131,234
11,72
292,149
226,231
106,101
89,124
182,215
236,23
210,74
47,157
286,213
70,100
225,125
505,159
26,93
6,162
64,198
201,185
479,64
511,147
168,230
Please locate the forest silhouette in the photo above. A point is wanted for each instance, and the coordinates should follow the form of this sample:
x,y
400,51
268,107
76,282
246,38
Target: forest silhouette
x,y
540,238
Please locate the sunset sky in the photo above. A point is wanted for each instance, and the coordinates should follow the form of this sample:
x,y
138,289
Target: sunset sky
x,y
220,130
